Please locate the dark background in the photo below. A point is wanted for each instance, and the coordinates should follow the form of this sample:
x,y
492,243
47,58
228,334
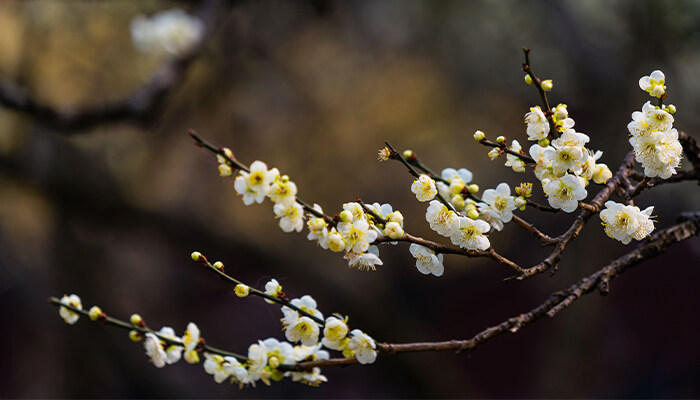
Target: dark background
x,y
315,87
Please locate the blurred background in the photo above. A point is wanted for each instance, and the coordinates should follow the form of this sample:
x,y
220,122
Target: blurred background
x,y
111,209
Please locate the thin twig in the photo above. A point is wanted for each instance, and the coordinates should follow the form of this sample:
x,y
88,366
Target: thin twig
x,y
545,239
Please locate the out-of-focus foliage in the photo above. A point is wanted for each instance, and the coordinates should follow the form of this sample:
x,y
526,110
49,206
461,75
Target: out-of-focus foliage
x,y
314,88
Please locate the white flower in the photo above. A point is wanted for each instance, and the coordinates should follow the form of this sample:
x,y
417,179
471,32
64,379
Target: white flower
x,y
214,365
601,173
494,153
236,371
154,350
309,353
564,158
653,84
355,210
364,261
318,228
624,222
383,210
283,191
427,261
456,180
269,352
424,188
71,317
571,138
313,378
307,304
501,201
471,234
357,235
537,124
515,162
172,352
659,152
441,219
291,216
334,333
191,337
564,192
363,346
304,329
254,185
173,31
560,115
543,166
274,289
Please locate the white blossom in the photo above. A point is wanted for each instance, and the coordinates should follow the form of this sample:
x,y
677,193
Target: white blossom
x,y
441,219
427,261
172,352
470,234
334,333
364,261
515,162
357,235
653,84
537,124
625,223
173,31
304,329
363,347
154,350
291,216
254,185
424,188
70,316
659,152
501,201
214,365
565,192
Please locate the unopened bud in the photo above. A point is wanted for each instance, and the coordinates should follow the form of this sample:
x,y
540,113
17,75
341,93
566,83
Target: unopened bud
x,y
473,214
273,362
409,154
219,265
528,79
225,170
520,202
501,139
346,216
227,152
393,230
95,313
473,188
547,85
671,109
192,357
136,320
241,290
135,336
196,256
479,136
543,142
458,201
396,216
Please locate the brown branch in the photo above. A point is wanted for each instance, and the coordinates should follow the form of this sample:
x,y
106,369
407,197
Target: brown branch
x,y
545,239
141,104
655,245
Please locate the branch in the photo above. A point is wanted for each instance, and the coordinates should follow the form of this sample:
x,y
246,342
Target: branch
x,y
654,246
147,99
545,239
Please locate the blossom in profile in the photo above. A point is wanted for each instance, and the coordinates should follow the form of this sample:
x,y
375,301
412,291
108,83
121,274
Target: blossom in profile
x,y
427,261
70,316
363,347
537,124
154,350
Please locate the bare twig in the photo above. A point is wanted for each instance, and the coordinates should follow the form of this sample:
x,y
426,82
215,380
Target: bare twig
x,y
545,239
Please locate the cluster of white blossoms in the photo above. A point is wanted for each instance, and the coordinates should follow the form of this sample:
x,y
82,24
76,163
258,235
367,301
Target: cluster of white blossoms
x,y
564,166
264,359
173,32
353,231
624,223
654,140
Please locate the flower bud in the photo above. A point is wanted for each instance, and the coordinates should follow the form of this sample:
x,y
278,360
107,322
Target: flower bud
x,y
409,154
473,214
225,170
346,216
520,202
458,201
547,85
241,290
95,313
501,139
196,256
397,217
543,142
192,357
135,336
317,224
227,152
528,79
273,362
473,188
560,112
494,153
336,242
219,265
479,136
136,320
671,109
393,230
